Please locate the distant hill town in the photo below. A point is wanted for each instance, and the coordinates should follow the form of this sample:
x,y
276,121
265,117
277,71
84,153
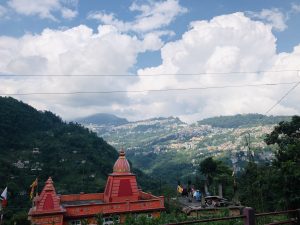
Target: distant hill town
x,y
159,145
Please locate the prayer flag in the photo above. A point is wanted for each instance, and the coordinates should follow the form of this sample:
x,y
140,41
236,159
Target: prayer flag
x,y
4,198
33,186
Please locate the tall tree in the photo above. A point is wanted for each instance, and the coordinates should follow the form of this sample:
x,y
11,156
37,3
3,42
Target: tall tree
x,y
217,173
208,168
286,136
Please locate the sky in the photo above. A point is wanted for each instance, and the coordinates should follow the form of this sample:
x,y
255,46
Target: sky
x,y
140,59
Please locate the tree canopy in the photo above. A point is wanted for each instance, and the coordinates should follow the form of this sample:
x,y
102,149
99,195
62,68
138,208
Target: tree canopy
x,y
276,186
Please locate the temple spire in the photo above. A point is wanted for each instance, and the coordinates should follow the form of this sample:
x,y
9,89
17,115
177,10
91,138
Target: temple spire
x,y
121,165
48,200
121,184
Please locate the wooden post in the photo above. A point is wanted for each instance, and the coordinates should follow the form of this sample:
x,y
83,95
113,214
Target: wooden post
x,y
249,216
205,188
220,190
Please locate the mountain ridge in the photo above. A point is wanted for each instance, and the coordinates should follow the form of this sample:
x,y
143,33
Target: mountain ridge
x,y
102,119
160,145
239,120
223,121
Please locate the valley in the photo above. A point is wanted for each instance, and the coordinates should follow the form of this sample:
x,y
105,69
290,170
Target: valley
x,y
159,145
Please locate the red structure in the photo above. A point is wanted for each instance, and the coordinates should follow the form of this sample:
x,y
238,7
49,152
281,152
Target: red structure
x,y
120,198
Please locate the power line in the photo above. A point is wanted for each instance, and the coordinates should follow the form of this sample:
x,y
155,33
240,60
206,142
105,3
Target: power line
x,y
285,95
151,75
150,90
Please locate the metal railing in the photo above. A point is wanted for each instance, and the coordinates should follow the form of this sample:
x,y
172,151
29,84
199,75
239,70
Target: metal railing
x,y
249,218
208,220
290,221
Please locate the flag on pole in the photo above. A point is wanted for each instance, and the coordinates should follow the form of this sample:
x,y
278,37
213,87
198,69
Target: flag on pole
x,y
33,186
4,198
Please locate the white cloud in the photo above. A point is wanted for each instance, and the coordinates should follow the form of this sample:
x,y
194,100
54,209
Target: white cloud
x,y
68,13
226,43
73,51
152,16
45,9
272,16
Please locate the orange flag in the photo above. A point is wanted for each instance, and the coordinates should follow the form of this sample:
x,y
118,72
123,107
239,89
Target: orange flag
x,y
33,186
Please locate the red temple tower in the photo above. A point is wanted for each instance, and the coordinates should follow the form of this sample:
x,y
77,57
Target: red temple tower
x,y
121,184
47,205
120,198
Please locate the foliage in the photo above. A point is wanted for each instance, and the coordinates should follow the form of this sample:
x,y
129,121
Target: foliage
x,y
174,217
217,172
257,189
274,187
99,219
84,222
287,137
208,167
18,218
242,120
39,144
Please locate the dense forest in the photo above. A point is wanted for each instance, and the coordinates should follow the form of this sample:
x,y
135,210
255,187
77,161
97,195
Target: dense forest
x,y
36,144
275,185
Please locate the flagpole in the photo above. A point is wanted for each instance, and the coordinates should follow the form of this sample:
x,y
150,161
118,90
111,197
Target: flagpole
x,y
1,211
37,187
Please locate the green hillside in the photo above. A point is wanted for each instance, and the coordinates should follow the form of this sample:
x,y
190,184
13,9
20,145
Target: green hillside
x,y
103,119
160,145
241,120
39,144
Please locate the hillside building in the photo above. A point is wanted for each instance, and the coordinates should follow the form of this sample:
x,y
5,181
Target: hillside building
x,y
120,198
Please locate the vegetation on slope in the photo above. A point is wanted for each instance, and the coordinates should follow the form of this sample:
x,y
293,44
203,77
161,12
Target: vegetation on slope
x,y
276,186
242,120
35,144
103,119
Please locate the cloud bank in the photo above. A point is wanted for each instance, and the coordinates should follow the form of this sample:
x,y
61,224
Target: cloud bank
x,y
227,43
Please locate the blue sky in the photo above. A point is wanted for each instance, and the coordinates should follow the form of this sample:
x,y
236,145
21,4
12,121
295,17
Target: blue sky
x,y
149,36
18,24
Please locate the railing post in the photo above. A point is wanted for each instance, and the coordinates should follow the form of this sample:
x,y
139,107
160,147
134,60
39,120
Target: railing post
x,y
249,216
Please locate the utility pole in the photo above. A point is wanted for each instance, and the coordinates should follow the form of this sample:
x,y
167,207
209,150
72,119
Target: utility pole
x,y
248,144
83,162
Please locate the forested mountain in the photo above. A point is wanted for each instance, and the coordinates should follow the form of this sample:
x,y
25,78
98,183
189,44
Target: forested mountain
x,y
241,120
36,144
103,119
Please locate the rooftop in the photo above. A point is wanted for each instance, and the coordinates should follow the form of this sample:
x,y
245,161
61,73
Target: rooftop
x,y
81,202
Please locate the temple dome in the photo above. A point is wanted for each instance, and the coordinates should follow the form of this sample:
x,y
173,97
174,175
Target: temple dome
x,y
121,165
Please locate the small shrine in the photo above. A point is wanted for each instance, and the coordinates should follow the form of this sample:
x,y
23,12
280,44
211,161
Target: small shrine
x,y
120,198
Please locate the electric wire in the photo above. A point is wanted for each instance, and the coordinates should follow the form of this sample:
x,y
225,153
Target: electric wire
x,y
151,75
149,90
285,95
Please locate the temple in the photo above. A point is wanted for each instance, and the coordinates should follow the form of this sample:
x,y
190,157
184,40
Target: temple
x,y
120,198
